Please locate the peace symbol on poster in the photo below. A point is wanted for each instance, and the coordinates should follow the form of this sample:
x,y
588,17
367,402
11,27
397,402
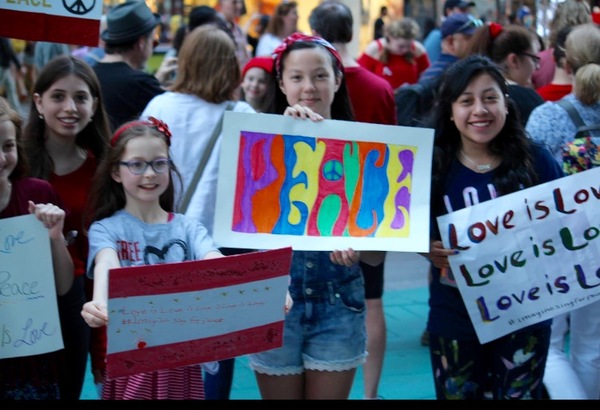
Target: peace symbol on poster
x,y
79,7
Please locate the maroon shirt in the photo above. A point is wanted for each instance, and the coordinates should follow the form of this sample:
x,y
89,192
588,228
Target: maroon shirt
x,y
29,189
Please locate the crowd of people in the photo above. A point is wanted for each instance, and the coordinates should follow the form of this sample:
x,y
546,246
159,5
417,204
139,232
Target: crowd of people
x,y
108,152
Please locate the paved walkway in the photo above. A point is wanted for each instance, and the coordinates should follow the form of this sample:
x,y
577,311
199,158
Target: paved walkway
x,y
406,370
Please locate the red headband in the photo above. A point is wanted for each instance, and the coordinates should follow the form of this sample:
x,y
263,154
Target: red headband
x,y
151,122
296,37
495,30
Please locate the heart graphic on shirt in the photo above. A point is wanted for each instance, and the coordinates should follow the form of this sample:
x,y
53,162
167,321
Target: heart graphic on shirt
x,y
174,251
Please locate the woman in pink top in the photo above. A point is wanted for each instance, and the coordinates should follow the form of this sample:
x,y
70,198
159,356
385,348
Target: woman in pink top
x,y
397,57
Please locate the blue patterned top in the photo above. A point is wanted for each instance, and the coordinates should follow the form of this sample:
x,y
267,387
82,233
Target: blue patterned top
x,y
550,124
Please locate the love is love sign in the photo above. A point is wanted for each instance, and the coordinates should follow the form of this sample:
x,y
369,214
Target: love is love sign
x,y
528,256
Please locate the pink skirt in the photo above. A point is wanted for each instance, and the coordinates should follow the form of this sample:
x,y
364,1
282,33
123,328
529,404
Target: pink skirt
x,y
182,383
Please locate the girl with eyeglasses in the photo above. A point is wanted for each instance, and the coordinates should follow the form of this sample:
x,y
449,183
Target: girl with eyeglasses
x,y
132,201
514,49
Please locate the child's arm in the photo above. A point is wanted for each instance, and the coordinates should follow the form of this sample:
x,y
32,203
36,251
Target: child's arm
x,y
95,312
53,218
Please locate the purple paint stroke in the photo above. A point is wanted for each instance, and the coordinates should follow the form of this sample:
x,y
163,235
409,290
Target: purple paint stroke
x,y
252,185
407,160
402,199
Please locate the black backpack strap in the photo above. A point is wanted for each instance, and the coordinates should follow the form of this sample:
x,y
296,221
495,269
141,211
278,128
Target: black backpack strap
x,y
570,109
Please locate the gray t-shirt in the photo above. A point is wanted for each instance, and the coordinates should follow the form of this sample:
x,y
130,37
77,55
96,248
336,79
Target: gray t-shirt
x,y
138,243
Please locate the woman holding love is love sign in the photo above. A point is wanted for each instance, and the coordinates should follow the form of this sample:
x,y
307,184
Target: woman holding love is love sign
x,y
480,152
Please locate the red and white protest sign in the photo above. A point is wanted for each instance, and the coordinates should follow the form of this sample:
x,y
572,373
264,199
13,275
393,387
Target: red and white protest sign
x,y
178,314
59,21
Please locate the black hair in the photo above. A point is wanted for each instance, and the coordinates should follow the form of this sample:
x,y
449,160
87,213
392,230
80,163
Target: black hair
x,y
516,170
333,21
341,107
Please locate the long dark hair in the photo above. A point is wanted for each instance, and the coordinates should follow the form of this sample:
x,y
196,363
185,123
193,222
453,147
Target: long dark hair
x,y
516,170
93,138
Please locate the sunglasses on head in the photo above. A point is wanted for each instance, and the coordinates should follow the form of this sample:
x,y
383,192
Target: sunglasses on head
x,y
473,22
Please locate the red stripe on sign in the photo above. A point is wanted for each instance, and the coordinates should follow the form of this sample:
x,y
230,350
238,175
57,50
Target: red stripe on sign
x,y
147,359
45,27
198,275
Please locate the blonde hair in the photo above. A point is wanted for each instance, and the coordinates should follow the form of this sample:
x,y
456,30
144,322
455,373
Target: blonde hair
x,y
582,50
403,28
406,28
568,13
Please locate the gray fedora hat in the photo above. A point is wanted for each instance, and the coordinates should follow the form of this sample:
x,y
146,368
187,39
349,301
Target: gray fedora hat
x,y
128,21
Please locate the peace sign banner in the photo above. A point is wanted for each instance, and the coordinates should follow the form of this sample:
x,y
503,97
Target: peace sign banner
x,y
322,185
67,21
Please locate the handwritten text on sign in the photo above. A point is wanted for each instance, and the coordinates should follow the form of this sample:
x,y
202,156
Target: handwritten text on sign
x,y
177,314
29,322
528,256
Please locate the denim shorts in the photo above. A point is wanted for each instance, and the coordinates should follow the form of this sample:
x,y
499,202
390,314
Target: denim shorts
x,y
324,330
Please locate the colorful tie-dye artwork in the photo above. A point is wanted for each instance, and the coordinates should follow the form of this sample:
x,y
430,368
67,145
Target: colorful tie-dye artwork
x,y
302,185
285,181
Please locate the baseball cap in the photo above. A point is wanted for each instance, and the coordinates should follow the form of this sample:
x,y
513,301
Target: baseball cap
x,y
459,23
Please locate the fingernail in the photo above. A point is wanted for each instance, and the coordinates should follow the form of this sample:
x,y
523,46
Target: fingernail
x,y
455,252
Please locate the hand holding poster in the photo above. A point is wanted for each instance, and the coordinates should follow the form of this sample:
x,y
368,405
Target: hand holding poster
x,y
29,322
527,256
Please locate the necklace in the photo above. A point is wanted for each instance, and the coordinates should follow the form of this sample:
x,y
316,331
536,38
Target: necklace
x,y
480,167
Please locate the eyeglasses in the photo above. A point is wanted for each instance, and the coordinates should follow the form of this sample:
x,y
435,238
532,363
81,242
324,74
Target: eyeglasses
x,y
159,165
473,22
536,59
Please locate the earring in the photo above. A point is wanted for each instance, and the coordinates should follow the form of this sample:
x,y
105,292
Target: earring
x,y
40,116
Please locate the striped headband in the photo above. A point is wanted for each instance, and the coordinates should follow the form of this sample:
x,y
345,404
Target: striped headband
x,y
299,37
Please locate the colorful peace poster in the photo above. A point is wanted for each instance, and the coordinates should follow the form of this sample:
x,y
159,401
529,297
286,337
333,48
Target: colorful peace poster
x,y
322,185
74,22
